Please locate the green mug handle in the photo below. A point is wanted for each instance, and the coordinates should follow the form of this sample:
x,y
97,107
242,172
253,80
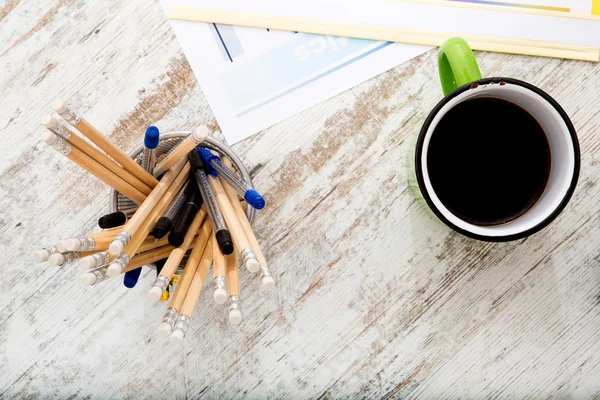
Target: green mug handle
x,y
457,65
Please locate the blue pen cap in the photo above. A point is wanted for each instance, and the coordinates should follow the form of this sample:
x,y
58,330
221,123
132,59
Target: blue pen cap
x,y
151,137
254,198
131,277
207,157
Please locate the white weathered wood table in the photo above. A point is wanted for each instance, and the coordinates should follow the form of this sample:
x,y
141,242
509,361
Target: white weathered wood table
x,y
374,298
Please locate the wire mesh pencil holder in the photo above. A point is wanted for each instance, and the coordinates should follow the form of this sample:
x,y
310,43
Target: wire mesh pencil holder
x,y
169,141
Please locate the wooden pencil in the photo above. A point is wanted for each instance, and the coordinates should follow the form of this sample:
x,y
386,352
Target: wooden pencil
x,y
219,273
382,32
101,141
192,295
93,167
168,270
140,232
268,283
238,235
178,173
182,150
77,141
183,285
149,257
233,289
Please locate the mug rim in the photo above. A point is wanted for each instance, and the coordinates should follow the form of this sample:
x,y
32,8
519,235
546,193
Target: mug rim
x,y
541,225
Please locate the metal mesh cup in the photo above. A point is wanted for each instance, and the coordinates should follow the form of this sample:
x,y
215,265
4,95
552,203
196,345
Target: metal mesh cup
x,y
168,142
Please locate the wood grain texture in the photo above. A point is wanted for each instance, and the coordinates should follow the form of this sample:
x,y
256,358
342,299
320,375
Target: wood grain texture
x,y
374,298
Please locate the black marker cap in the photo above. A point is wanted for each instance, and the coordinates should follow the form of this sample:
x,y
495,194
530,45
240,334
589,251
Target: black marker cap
x,y
186,216
162,227
112,220
224,240
195,160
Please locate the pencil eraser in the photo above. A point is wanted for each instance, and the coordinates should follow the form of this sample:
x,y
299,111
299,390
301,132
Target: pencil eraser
x,y
88,279
116,247
49,121
220,296
88,262
49,137
59,106
254,198
151,138
235,317
56,259
200,133
252,265
61,246
177,336
164,330
268,283
41,256
114,270
155,293
72,244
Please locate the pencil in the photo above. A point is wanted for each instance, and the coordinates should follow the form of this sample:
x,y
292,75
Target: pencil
x,y
104,257
93,167
101,141
162,280
382,32
191,298
238,235
182,150
219,272
98,274
179,170
268,283
233,289
61,130
165,328
137,234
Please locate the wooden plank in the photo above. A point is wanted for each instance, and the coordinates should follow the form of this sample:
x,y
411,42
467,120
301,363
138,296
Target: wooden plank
x,y
374,298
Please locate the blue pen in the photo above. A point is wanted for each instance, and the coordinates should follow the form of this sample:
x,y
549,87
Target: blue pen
x,y
151,139
215,167
131,277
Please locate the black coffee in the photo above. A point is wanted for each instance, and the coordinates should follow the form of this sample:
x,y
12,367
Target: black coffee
x,y
488,161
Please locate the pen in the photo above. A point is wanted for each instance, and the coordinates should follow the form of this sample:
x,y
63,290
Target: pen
x,y
214,215
165,223
117,218
131,278
151,140
188,211
215,167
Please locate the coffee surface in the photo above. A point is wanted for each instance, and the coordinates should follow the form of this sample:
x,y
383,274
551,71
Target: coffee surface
x,y
488,161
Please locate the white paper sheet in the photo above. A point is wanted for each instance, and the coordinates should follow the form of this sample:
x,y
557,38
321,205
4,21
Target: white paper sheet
x,y
254,78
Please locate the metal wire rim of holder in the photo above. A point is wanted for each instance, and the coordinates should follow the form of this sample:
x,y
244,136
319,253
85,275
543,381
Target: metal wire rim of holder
x,y
169,141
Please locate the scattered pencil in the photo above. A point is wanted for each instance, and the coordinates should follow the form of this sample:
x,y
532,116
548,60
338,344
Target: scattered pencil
x,y
184,223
